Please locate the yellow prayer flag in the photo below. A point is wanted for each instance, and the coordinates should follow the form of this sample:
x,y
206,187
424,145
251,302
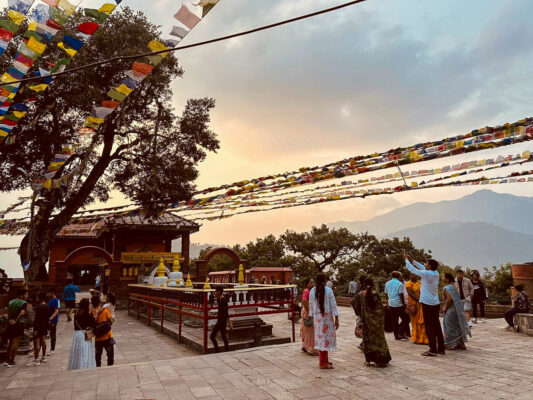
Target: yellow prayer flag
x,y
39,88
124,89
7,78
154,45
459,143
95,120
19,114
70,52
107,8
414,184
16,17
481,162
32,26
67,7
526,154
415,156
47,184
56,164
36,46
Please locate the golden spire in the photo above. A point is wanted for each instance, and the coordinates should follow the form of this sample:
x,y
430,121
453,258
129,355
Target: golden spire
x,y
207,286
161,269
189,282
241,274
176,265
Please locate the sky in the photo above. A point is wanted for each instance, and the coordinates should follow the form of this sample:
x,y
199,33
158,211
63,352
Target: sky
x,y
367,78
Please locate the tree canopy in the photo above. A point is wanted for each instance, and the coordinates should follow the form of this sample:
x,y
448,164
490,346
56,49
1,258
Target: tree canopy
x,y
143,150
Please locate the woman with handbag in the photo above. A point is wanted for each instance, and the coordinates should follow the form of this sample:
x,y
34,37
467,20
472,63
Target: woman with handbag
x,y
307,330
82,350
368,306
414,309
103,333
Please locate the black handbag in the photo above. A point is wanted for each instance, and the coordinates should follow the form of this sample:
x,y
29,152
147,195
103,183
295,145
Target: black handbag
x,y
102,328
309,321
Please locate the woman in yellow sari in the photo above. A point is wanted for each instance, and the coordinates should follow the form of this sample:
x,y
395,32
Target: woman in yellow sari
x,y
414,309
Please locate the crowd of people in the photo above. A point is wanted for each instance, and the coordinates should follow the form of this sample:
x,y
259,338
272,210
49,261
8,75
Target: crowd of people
x,y
92,333
413,308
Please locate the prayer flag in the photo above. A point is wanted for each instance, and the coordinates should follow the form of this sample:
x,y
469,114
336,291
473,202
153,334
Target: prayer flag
x,y
107,8
95,120
51,3
54,25
70,52
9,25
22,6
16,17
110,104
67,7
140,69
186,17
154,45
101,112
5,35
88,27
178,31
72,42
97,15
124,89
116,95
58,15
39,88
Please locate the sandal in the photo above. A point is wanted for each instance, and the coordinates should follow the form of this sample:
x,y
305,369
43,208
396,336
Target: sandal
x,y
368,364
304,350
328,366
428,354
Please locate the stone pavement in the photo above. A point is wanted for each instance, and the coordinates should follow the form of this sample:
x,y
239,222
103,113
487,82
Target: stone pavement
x,y
497,365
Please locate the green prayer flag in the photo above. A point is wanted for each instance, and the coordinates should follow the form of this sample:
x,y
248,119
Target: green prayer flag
x,y
116,95
59,16
154,60
28,34
11,117
9,25
100,17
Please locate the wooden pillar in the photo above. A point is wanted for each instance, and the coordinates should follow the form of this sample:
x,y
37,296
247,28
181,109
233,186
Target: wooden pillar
x,y
185,245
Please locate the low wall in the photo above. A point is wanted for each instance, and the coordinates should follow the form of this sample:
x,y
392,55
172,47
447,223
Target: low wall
x,y
524,323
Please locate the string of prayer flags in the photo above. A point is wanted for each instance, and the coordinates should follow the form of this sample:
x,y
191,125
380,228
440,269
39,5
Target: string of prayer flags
x,y
70,44
18,9
139,71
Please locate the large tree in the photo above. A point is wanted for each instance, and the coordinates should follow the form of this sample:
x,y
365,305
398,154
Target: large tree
x,y
143,150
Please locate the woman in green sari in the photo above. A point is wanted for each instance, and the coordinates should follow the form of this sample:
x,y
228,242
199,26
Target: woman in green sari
x,y
367,305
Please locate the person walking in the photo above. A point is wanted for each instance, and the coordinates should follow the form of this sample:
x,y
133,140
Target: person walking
x,y
323,309
104,321
222,320
466,290
53,311
414,309
397,305
97,283
69,297
16,316
521,304
367,305
352,288
307,330
40,330
455,325
81,353
479,297
429,298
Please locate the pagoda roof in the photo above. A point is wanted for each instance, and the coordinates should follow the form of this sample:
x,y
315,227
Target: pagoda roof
x,y
94,226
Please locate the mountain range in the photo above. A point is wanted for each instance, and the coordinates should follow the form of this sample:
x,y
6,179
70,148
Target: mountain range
x,y
479,230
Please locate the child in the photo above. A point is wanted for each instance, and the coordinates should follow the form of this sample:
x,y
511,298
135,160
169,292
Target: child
x,y
110,304
40,329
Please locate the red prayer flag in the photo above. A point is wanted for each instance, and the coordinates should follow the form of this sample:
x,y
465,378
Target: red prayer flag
x,y
24,60
52,24
140,69
110,104
88,27
5,35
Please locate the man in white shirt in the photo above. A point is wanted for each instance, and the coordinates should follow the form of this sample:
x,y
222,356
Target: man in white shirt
x,y
352,288
429,298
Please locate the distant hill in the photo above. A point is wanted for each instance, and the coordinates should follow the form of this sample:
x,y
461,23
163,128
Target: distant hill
x,y
471,244
504,210
482,229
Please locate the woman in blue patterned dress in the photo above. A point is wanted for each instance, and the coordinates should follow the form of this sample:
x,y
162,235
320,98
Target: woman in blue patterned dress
x,y
82,351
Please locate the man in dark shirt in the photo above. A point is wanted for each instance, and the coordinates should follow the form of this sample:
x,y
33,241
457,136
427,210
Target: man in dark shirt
x,y
222,320
15,329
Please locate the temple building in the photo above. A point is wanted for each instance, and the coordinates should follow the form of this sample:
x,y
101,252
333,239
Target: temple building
x,y
121,248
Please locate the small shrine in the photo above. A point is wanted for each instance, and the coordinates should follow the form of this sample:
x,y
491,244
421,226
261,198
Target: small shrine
x,y
122,249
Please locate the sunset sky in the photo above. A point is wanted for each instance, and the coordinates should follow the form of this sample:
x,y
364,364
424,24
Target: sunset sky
x,y
374,76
